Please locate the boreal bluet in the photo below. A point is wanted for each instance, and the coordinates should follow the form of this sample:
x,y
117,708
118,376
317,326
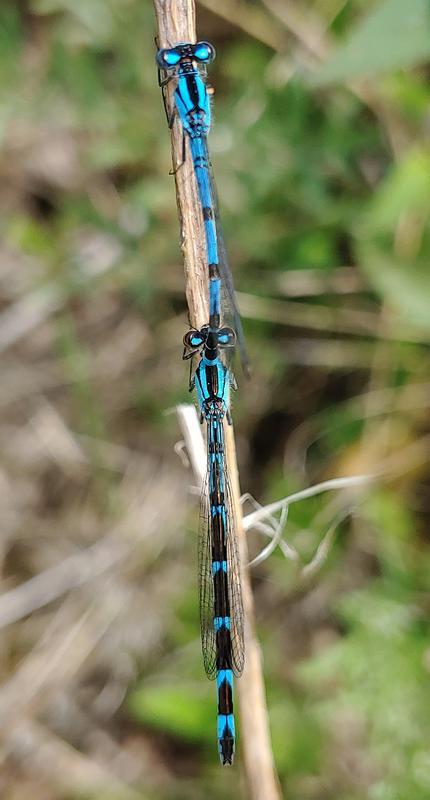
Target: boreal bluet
x,y
221,608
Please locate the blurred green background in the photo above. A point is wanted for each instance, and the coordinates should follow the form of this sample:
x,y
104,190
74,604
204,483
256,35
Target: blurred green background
x,y
321,152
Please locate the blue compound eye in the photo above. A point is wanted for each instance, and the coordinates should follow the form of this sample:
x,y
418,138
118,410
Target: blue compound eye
x,y
193,339
167,58
226,337
204,52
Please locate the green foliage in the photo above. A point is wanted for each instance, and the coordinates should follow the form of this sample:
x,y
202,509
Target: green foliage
x,y
393,36
180,711
402,202
380,670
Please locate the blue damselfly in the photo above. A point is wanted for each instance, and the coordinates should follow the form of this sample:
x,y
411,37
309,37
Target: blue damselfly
x,y
186,65
221,609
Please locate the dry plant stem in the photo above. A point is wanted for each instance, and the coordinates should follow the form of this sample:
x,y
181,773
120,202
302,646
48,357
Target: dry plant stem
x,y
176,23
255,734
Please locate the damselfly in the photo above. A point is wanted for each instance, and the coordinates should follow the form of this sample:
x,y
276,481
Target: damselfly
x,y
186,65
221,610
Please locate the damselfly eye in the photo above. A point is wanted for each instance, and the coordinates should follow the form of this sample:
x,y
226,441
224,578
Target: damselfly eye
x,y
167,58
193,339
226,337
204,52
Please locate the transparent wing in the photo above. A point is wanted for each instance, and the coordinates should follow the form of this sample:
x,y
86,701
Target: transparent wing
x,y
230,307
230,310
234,588
206,586
229,301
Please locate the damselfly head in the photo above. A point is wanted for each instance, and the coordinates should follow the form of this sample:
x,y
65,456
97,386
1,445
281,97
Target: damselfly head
x,y
226,337
223,337
194,339
204,52
169,58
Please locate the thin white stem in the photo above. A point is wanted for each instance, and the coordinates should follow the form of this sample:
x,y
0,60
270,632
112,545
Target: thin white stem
x,y
275,541
194,441
324,546
335,483
271,519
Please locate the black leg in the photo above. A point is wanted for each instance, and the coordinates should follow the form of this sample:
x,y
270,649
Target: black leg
x,y
174,171
192,381
170,116
163,81
186,355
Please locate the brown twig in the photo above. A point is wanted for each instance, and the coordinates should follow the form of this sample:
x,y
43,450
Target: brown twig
x,y
256,745
176,23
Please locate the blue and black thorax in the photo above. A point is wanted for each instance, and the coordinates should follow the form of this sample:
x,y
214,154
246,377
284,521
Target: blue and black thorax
x,y
212,378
